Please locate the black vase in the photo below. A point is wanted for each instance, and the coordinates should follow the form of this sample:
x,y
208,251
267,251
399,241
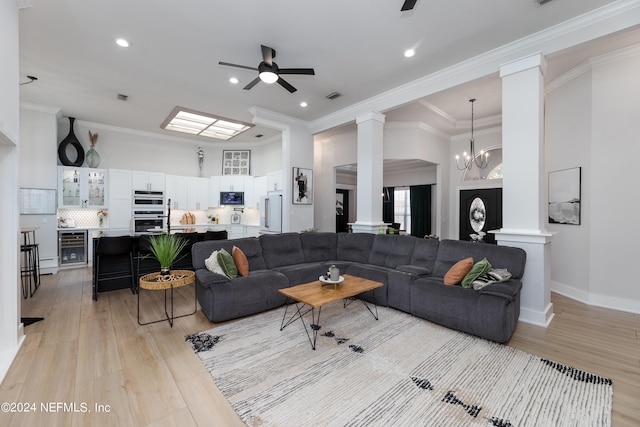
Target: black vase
x,y
71,142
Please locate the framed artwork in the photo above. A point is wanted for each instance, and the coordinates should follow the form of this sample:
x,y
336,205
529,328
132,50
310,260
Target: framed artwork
x,y
302,186
236,162
564,196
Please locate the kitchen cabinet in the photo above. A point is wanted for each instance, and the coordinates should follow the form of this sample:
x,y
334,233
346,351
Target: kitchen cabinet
x,y
214,192
82,188
249,194
251,231
259,189
120,195
151,181
187,192
232,183
275,181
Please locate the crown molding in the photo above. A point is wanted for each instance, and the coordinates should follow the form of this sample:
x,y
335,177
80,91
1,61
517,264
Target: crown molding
x,y
613,17
417,126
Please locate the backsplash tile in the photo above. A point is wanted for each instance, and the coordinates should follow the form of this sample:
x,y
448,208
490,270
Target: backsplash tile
x,y
83,218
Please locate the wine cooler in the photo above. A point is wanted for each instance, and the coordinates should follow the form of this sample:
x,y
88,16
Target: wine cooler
x,y
72,246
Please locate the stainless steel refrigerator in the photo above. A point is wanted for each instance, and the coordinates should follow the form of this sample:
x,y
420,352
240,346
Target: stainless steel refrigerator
x,y
271,213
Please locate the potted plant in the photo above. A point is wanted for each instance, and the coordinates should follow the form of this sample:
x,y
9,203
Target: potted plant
x,y
166,248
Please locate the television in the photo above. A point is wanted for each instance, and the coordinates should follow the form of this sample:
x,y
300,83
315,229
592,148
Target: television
x,y
231,198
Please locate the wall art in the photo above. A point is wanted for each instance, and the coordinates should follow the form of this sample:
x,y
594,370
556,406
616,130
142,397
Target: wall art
x,y
236,162
302,186
564,196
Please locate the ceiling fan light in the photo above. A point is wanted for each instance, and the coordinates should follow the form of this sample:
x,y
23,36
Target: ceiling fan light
x,y
268,77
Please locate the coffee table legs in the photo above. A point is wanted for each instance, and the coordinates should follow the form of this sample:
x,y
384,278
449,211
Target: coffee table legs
x,y
315,325
298,314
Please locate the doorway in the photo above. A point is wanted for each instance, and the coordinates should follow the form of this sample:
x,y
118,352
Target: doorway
x,y
480,211
342,211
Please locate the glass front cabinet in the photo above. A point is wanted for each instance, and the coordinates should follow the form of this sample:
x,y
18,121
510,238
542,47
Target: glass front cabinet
x,y
82,188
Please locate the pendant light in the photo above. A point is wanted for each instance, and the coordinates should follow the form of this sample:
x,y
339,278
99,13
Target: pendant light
x,y
481,160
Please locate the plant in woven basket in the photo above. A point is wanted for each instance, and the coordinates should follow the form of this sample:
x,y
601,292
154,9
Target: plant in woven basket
x,y
166,248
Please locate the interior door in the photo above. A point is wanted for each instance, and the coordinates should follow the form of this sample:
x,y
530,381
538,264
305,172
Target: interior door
x,y
342,211
480,210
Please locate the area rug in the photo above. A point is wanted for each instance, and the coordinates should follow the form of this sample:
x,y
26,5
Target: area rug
x,y
399,370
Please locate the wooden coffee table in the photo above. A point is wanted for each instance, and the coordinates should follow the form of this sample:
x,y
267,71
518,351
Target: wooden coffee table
x,y
315,295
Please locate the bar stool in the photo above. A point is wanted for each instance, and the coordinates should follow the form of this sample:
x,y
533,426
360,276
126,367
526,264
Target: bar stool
x,y
116,249
184,259
216,235
145,263
30,268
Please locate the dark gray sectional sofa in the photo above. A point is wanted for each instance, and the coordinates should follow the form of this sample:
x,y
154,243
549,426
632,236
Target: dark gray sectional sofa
x,y
412,270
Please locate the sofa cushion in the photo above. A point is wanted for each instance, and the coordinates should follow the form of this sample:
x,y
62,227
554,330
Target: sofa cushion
x,y
227,263
249,245
354,247
451,251
242,264
457,271
425,253
391,250
479,268
212,263
319,247
281,249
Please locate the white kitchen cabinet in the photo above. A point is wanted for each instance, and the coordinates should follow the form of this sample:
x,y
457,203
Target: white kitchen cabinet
x,y
251,231
235,231
187,192
214,192
232,183
259,189
82,188
150,181
120,199
275,181
249,194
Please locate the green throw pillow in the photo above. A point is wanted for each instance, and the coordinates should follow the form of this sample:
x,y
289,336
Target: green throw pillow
x,y
478,269
228,265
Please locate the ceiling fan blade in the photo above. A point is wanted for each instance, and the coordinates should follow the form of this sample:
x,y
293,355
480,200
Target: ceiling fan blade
x,y
252,83
268,54
282,82
408,5
308,71
237,66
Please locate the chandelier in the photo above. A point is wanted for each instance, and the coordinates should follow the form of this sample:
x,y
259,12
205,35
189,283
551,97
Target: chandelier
x,y
481,160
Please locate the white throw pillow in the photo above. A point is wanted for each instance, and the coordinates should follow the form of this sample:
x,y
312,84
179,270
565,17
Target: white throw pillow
x,y
212,264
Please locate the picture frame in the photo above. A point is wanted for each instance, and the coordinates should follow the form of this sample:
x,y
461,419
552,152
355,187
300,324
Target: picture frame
x,y
236,162
302,186
565,196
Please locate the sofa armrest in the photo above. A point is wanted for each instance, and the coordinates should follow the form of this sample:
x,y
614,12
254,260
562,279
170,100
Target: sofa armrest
x,y
208,278
415,270
508,290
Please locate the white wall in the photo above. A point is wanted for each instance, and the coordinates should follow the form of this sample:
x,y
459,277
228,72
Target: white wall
x,y
11,333
592,122
122,148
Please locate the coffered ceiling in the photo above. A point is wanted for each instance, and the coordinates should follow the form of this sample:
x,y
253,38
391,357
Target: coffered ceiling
x,y
355,47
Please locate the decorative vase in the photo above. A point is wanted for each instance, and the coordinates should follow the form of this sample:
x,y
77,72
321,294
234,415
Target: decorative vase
x,y
165,271
93,158
71,141
334,273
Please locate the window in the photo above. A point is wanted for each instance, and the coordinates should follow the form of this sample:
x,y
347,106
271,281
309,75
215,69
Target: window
x,y
402,208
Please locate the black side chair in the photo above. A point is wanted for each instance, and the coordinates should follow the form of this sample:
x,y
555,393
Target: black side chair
x,y
216,235
113,261
145,262
184,262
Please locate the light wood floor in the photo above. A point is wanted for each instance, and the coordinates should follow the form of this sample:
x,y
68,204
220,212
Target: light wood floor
x,y
95,353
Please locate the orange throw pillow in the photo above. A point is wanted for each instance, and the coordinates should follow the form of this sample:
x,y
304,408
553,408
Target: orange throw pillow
x,y
242,264
458,271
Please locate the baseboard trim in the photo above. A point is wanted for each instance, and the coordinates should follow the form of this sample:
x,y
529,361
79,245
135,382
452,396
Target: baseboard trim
x,y
597,300
537,318
7,357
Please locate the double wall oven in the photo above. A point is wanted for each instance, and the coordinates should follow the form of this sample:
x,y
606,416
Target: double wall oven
x,y
148,211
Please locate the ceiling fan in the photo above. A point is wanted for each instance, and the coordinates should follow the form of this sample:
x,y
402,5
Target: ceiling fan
x,y
408,5
269,72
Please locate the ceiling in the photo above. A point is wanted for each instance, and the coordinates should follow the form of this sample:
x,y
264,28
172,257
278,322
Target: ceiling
x,y
356,48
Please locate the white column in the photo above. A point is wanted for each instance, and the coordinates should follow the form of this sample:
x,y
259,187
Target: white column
x,y
370,173
523,189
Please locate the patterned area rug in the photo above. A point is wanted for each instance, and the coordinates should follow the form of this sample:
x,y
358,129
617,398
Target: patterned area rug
x,y
399,370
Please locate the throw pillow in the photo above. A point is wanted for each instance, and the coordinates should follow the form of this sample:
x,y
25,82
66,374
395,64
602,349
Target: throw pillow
x,y
478,269
228,265
458,271
242,264
212,263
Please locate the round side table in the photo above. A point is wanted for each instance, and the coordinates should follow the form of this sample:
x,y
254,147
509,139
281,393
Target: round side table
x,y
157,282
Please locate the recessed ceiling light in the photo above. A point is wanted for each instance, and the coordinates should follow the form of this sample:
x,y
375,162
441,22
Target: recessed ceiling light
x,y
203,124
409,53
122,43
234,80
303,104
